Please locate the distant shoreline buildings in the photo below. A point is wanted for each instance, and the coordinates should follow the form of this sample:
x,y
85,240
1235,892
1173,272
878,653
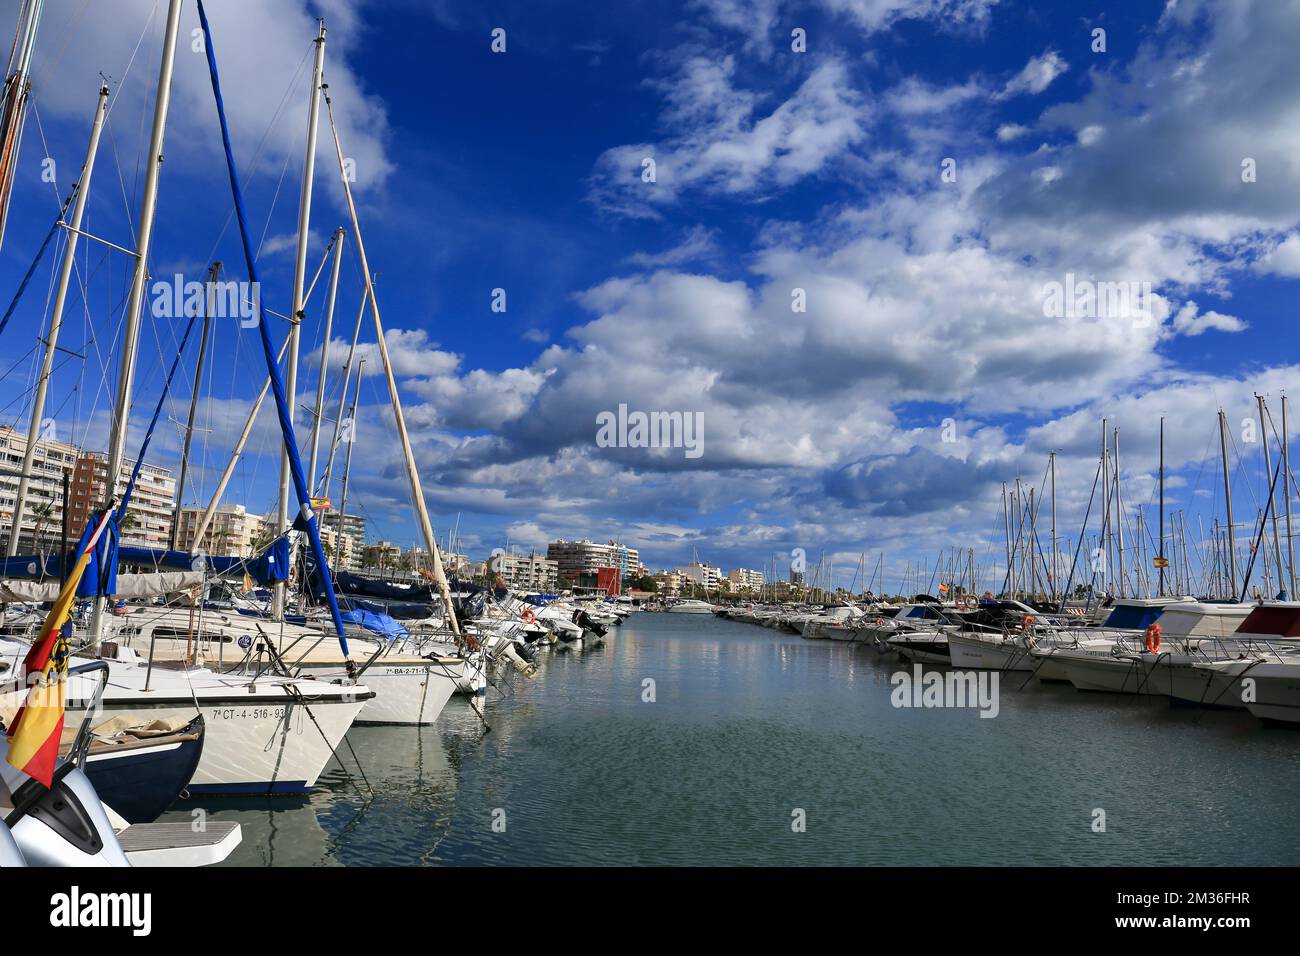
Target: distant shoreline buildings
x,y
609,566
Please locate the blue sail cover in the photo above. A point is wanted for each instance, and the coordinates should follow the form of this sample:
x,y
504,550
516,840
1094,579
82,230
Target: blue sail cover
x,y
100,577
30,566
379,623
268,351
267,568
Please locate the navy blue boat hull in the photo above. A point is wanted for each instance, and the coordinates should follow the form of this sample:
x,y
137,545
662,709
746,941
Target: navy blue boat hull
x,y
139,784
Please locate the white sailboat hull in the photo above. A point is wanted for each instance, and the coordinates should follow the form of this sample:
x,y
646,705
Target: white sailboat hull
x,y
265,742
405,693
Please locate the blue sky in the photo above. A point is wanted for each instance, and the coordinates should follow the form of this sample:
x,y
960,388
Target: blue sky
x,y
776,170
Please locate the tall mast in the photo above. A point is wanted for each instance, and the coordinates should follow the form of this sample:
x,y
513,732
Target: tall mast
x,y
1104,544
1268,476
337,242
1052,462
1032,542
16,89
1006,524
1160,553
299,281
1227,497
56,319
1286,496
347,466
134,313
343,396
1119,521
194,402
413,473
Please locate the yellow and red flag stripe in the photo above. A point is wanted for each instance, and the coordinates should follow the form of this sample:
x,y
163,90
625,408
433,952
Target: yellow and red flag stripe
x,y
35,732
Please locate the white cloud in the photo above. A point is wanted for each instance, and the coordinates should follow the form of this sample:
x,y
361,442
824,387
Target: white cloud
x,y
264,55
1284,258
1189,320
699,243
1036,75
721,142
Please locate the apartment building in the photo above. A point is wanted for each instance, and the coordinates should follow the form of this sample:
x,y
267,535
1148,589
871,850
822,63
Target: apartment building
x,y
529,573
43,513
577,558
703,575
743,579
232,531
148,521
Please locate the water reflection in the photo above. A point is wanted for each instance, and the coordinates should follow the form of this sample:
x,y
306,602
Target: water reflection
x,y
748,725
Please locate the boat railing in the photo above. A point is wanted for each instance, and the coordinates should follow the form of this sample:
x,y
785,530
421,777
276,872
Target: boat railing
x,y
81,743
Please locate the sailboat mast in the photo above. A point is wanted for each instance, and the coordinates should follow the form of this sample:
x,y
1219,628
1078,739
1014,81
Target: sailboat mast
x,y
347,465
194,402
1052,462
56,320
337,243
413,473
1227,497
135,301
299,282
1006,527
16,89
343,397
1286,496
1268,471
1160,555
1119,521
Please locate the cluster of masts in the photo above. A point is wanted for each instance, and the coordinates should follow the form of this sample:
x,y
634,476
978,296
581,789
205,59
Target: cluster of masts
x,y
294,490
1126,559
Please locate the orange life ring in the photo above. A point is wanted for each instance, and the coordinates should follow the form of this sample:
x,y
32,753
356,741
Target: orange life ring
x,y
471,642
528,615
1153,638
1026,623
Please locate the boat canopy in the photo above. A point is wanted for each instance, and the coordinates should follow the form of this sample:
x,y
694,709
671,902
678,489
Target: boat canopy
x,y
1134,617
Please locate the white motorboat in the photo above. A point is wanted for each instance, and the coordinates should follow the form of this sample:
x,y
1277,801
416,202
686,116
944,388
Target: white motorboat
x,y
1120,662
690,606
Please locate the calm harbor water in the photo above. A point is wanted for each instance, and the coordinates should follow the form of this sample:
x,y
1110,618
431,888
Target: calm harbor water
x,y
748,726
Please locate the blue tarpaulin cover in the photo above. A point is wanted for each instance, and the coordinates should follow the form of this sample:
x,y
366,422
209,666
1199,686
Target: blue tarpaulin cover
x,y
379,623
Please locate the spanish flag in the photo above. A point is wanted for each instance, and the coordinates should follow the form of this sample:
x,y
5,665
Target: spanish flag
x,y
35,732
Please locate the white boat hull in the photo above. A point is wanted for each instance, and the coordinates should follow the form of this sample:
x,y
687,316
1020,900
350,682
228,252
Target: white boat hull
x,y
1002,654
405,693
265,742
